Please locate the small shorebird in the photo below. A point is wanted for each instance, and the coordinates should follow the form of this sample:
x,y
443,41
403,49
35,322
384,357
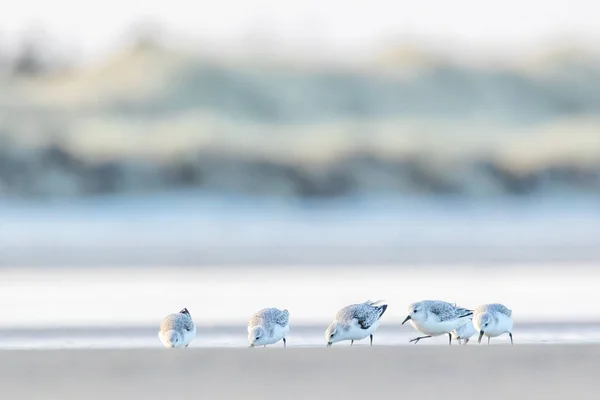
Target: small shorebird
x,y
435,318
493,320
268,326
355,322
177,330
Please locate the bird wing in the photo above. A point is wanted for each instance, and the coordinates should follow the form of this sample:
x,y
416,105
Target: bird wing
x,y
269,316
282,318
366,315
188,324
501,309
447,312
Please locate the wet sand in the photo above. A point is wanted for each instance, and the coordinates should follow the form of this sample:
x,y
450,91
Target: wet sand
x,y
340,372
300,336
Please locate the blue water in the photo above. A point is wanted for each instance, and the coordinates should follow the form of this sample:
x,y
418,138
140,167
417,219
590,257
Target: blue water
x,y
194,228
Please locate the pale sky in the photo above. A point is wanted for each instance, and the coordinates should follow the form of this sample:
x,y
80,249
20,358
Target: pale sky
x,y
345,25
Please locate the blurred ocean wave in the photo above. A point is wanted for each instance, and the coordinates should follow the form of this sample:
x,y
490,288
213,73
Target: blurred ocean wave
x,y
409,122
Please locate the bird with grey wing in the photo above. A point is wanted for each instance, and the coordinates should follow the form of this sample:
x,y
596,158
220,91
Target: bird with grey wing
x,y
436,317
493,320
268,326
355,322
177,330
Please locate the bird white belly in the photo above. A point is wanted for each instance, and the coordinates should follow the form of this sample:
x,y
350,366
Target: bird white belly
x,y
279,332
464,332
504,325
184,336
357,333
436,328
188,336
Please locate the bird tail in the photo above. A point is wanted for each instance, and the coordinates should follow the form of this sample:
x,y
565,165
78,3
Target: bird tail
x,y
464,312
377,304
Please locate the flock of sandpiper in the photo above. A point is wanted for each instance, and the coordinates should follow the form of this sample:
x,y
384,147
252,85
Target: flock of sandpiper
x,y
359,321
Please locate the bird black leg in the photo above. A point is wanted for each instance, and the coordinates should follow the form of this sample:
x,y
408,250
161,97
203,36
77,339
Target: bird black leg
x,y
449,339
511,340
489,340
351,343
371,336
416,340
284,343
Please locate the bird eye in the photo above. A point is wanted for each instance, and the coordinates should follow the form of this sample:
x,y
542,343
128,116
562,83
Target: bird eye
x,y
415,311
257,337
486,324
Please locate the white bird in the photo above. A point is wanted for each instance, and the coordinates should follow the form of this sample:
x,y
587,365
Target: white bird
x,y
493,320
463,332
177,330
436,317
355,322
268,326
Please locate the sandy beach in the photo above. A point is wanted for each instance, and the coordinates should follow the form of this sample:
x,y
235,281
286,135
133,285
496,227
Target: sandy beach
x,y
340,372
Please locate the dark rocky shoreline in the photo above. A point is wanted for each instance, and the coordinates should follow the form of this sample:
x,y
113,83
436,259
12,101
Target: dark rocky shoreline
x,y
55,172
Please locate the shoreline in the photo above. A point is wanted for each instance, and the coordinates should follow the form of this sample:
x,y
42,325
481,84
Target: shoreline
x,y
300,336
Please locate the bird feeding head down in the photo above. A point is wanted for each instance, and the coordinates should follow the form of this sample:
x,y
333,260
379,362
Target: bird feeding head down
x,y
173,339
416,312
332,334
482,322
256,336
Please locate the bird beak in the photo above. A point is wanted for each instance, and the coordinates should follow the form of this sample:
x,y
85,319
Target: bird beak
x,y
406,319
480,336
328,344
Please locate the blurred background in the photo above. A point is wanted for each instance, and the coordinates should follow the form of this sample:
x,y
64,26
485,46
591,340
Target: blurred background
x,y
250,137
